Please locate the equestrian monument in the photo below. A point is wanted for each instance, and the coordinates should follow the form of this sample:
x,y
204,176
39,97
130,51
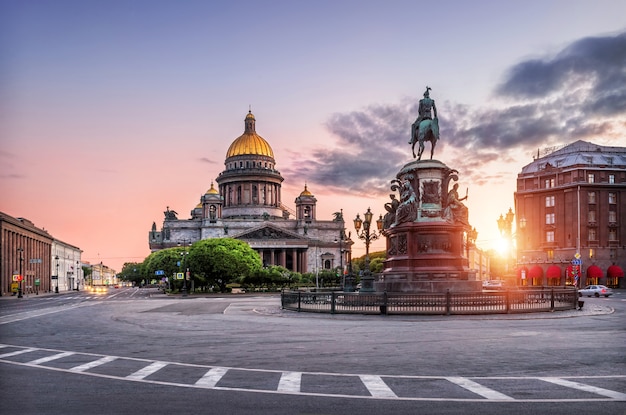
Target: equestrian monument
x,y
427,226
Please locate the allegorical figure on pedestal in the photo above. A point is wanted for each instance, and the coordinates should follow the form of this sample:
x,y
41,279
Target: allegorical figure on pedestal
x,y
426,126
455,211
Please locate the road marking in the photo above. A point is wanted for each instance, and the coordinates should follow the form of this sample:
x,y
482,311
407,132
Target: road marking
x,y
290,382
50,358
377,387
478,389
586,388
147,371
95,363
210,378
18,352
38,313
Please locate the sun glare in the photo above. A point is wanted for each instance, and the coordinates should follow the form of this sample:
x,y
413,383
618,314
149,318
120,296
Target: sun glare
x,y
503,246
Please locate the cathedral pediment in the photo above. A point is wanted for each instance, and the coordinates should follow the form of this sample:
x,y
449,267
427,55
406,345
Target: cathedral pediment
x,y
266,232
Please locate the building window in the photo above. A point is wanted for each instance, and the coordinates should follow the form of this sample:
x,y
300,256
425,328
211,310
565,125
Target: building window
x,y
549,201
612,216
612,253
592,253
611,178
613,235
549,183
549,218
591,216
591,197
550,236
612,198
591,235
550,254
591,178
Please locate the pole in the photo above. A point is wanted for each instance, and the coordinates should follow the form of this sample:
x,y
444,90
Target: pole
x,y
19,287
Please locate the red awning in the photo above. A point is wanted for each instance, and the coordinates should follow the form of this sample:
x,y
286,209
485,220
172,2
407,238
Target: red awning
x,y
522,271
553,271
614,271
535,272
594,271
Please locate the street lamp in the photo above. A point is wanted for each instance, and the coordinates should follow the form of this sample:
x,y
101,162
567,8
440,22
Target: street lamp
x,y
19,287
346,282
77,275
505,225
367,280
56,288
185,243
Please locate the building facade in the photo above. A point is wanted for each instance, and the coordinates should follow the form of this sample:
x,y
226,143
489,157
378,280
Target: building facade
x,y
247,205
25,257
571,217
67,266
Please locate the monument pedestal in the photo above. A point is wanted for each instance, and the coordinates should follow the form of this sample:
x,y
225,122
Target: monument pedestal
x,y
427,240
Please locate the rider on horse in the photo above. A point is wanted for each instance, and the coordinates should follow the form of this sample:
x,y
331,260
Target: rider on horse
x,y
425,111
426,127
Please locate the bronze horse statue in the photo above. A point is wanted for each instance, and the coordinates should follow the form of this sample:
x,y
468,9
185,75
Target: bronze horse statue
x,y
427,130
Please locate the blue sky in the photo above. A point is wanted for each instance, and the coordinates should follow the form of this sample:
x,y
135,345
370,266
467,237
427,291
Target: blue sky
x,y
112,110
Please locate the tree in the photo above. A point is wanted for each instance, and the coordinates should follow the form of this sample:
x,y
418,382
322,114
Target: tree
x,y
166,260
223,260
133,272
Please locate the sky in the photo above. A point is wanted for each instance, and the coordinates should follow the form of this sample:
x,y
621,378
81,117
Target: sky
x,y
112,111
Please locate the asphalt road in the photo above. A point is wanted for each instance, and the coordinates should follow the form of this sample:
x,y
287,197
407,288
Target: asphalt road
x,y
139,351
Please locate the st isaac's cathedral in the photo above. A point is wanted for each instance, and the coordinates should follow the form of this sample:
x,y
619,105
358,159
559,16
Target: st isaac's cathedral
x,y
247,206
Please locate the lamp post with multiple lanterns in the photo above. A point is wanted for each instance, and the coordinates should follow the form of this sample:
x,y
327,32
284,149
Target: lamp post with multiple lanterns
x,y
56,287
346,280
21,276
368,235
185,243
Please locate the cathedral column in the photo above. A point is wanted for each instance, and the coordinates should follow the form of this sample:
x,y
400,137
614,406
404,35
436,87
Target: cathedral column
x,y
296,260
283,258
272,253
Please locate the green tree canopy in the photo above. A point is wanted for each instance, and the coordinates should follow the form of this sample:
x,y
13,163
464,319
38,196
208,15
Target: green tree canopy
x,y
223,260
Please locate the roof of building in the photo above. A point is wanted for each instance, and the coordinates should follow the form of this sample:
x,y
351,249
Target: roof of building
x,y
580,153
250,143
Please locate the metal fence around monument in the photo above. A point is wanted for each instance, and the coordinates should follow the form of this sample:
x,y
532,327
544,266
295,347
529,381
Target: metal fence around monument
x,y
449,303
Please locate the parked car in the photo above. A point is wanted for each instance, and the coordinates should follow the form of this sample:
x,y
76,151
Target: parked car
x,y
493,285
595,290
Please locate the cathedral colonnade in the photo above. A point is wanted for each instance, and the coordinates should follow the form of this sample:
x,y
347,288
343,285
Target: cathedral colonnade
x,y
294,259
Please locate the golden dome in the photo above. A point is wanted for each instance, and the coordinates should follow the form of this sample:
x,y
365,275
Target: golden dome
x,y
306,192
212,190
250,143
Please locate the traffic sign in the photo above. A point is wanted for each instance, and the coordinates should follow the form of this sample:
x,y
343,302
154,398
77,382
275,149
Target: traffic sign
x,y
180,276
159,272
577,261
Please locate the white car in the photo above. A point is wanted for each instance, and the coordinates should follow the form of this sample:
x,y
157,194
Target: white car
x,y
595,290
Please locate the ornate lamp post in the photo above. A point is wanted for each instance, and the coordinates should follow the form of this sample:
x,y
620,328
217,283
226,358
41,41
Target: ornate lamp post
x,y
346,281
505,225
185,243
19,287
56,288
367,235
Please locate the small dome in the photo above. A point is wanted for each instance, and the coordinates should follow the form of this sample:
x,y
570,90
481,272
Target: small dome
x,y
250,143
212,190
306,192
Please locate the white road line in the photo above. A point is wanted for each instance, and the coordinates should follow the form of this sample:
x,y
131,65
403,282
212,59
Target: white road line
x,y
147,371
478,389
290,382
38,313
95,363
210,378
16,353
586,388
377,387
50,358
